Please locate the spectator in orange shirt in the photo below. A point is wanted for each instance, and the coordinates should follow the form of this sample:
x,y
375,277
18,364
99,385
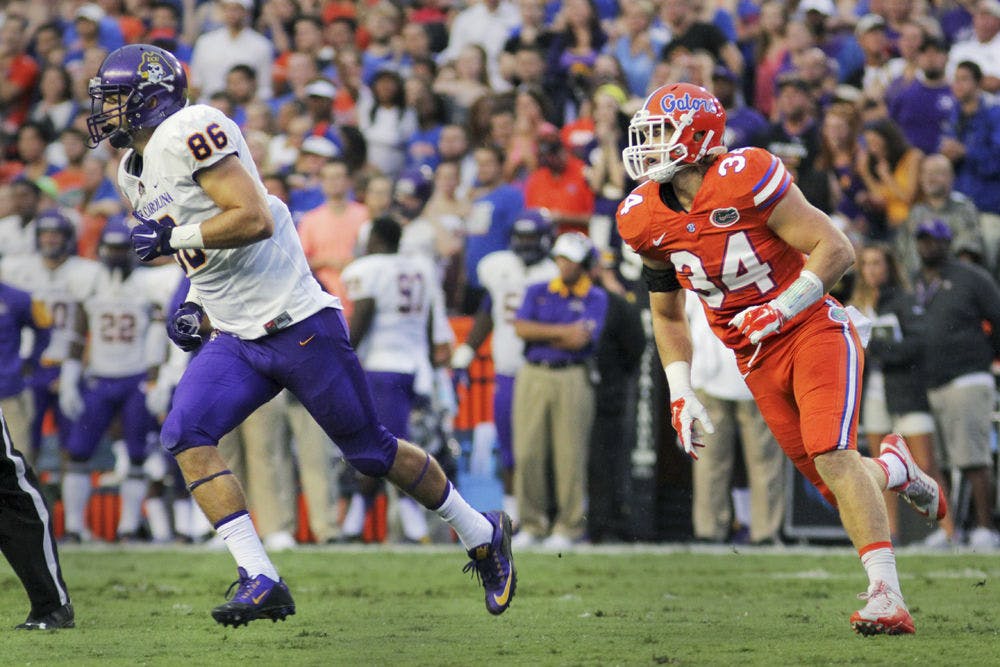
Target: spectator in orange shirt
x,y
329,233
18,73
559,185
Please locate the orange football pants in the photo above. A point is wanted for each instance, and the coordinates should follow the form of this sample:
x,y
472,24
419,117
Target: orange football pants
x,y
807,384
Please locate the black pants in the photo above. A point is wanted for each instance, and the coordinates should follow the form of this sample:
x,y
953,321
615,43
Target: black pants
x,y
26,537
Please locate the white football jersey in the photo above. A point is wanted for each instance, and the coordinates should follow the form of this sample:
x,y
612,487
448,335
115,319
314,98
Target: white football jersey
x,y
505,277
406,291
15,239
61,290
121,315
248,291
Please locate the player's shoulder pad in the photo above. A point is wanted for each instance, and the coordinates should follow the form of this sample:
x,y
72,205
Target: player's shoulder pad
x,y
753,175
633,214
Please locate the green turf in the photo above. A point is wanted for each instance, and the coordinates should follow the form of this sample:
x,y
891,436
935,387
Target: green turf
x,y
413,607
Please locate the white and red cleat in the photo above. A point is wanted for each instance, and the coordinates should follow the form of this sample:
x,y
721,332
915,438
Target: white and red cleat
x,y
920,490
885,613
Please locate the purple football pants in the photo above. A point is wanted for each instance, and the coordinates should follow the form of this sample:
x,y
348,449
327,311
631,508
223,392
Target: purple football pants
x,y
393,393
229,378
103,398
503,401
44,399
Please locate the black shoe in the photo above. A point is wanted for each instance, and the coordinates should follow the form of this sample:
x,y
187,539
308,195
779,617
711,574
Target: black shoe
x,y
56,619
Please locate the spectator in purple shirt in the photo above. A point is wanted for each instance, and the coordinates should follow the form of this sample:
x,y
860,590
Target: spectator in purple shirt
x,y
922,109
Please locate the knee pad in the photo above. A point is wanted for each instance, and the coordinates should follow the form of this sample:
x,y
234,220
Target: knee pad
x,y
371,451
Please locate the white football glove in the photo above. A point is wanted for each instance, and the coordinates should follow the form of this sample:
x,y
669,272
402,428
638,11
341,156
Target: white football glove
x,y
685,410
70,399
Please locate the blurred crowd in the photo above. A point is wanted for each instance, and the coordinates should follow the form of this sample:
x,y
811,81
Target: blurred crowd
x,y
455,117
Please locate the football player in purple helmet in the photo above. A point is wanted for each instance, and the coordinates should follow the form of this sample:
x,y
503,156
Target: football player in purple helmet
x,y
531,236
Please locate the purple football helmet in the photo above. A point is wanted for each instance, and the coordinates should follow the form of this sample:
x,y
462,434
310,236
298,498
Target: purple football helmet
x,y
54,220
115,246
149,85
531,236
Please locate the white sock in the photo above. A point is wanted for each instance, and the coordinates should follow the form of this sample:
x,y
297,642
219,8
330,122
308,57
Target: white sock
x,y
244,544
354,520
412,518
895,468
159,521
182,517
510,507
75,494
880,565
133,490
471,526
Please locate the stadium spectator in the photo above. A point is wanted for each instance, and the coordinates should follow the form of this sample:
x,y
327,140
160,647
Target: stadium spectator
x,y
235,43
889,168
55,105
559,185
505,274
794,135
47,47
306,192
785,377
770,54
32,141
923,109
560,322
463,82
487,23
983,47
429,108
382,22
329,233
386,123
720,387
531,114
893,396
636,48
604,171
533,34
879,69
28,542
165,23
744,122
579,39
939,201
19,312
687,32
955,298
972,143
254,357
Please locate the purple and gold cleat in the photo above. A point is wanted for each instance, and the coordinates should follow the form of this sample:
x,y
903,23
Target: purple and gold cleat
x,y
494,564
256,597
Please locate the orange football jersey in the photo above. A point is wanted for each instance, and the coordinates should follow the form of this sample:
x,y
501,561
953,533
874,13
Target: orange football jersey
x,y
722,249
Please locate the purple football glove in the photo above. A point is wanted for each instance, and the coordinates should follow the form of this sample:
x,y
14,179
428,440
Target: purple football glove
x,y
151,239
184,325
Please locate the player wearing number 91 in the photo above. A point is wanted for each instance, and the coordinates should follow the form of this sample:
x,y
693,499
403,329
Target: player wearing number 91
x,y
197,194
735,229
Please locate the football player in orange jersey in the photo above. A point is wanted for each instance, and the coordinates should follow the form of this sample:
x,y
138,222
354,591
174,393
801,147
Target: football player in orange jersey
x,y
735,229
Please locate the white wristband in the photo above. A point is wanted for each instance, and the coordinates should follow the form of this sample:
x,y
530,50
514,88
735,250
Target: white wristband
x,y
804,292
186,236
678,378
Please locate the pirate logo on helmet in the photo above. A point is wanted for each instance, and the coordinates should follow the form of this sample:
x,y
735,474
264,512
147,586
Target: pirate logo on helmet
x,y
154,70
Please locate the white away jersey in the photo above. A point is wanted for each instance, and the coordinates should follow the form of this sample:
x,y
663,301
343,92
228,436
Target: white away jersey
x,y
406,291
241,289
62,290
505,276
121,318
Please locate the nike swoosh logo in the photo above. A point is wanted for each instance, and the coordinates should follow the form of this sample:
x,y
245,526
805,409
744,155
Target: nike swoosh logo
x,y
303,343
657,241
256,600
502,598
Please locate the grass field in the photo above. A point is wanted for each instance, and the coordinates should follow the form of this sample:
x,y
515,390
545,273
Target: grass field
x,y
628,606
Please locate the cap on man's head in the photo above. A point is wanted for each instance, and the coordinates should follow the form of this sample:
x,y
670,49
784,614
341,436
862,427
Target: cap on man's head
x,y
321,88
869,22
824,7
90,12
245,4
321,146
723,72
935,229
574,246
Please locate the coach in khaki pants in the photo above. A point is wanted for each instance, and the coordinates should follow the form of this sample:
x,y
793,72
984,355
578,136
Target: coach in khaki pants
x,y
560,323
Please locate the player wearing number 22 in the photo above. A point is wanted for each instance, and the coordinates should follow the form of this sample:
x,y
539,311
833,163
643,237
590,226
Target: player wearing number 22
x,y
259,321
735,229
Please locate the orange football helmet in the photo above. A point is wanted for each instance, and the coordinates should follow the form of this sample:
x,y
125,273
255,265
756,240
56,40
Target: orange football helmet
x,y
678,125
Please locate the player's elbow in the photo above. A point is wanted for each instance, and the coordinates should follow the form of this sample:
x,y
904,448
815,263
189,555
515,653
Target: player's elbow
x,y
260,223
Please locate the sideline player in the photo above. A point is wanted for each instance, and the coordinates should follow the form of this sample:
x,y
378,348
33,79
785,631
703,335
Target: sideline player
x,y
506,274
197,195
732,227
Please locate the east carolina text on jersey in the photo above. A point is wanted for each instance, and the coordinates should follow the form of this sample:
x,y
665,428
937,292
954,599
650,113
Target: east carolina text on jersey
x,y
722,249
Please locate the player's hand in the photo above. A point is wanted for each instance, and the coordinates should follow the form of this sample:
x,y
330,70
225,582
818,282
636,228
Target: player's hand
x,y
184,325
151,239
70,399
685,410
759,322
